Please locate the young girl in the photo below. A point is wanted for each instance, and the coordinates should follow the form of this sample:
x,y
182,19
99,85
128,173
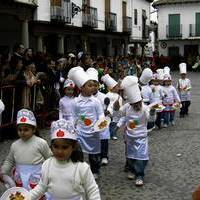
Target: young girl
x,y
104,135
65,175
88,110
115,103
27,154
170,97
135,117
184,87
66,102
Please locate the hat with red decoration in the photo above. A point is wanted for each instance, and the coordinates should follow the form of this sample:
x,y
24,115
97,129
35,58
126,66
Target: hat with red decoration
x,y
63,129
68,83
25,116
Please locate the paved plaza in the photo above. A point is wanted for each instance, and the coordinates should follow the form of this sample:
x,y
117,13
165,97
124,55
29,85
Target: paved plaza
x,y
173,171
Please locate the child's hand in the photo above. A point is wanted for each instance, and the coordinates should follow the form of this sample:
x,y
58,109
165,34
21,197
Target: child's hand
x,y
116,105
107,113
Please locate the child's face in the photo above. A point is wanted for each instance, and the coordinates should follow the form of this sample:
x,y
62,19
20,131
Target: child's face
x,y
116,88
62,149
69,91
137,106
25,131
88,88
96,87
167,82
183,76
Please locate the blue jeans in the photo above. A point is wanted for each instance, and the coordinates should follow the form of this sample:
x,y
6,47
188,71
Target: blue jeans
x,y
137,167
113,127
168,117
104,148
95,162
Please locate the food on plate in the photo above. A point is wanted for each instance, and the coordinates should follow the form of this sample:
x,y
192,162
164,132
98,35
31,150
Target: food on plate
x,y
17,196
157,106
87,122
132,125
103,124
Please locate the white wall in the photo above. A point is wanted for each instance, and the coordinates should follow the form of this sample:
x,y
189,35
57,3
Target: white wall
x,y
187,16
42,12
139,5
100,5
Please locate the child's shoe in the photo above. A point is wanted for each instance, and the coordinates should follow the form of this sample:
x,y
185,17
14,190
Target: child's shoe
x,y
172,123
104,161
165,125
114,138
131,176
139,182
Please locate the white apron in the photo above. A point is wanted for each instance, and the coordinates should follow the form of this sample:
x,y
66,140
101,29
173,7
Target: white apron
x,y
105,135
136,137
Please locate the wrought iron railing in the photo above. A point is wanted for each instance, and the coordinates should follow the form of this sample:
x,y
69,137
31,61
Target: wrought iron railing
x,y
127,24
90,17
111,21
194,30
174,31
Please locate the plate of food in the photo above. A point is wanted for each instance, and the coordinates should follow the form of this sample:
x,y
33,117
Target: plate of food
x,y
15,193
176,106
157,106
102,124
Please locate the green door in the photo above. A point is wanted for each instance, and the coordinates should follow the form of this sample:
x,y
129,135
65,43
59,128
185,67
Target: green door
x,y
174,25
197,24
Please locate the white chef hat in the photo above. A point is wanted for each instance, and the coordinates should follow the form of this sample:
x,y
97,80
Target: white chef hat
x,y
63,129
80,54
160,74
133,93
109,81
155,76
167,77
78,76
128,81
183,68
71,55
2,106
25,116
146,76
68,83
93,74
166,70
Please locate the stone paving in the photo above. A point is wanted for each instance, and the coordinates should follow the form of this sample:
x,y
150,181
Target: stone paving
x,y
173,171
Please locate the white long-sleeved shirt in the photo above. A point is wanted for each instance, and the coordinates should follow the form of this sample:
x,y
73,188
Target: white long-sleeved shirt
x,y
146,93
34,151
66,108
87,108
139,118
170,95
65,180
184,87
157,93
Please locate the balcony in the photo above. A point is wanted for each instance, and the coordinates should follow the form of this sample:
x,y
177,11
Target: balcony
x,y
145,32
111,21
127,24
174,31
61,11
194,30
90,17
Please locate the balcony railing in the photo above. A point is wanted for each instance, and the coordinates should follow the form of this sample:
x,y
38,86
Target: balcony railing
x,y
90,17
111,21
145,32
194,30
127,24
61,12
174,31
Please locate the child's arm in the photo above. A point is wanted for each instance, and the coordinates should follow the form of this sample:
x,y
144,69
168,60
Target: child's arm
x,y
176,96
89,184
9,162
45,150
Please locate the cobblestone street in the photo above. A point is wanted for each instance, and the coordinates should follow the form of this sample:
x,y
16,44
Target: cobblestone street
x,y
173,171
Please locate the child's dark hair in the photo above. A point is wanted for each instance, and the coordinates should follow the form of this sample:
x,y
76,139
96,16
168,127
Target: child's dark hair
x,y
77,154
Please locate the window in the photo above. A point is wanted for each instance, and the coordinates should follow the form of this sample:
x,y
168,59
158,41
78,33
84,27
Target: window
x,y
173,51
135,17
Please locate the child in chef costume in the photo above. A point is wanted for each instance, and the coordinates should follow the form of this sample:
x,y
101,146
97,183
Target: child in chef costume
x,y
65,175
27,154
88,110
115,103
135,118
105,135
66,102
170,98
184,87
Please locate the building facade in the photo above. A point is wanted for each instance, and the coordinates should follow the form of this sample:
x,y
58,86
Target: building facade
x,y
99,27
179,28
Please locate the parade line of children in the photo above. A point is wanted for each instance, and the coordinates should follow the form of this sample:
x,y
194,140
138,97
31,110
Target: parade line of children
x,y
59,172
